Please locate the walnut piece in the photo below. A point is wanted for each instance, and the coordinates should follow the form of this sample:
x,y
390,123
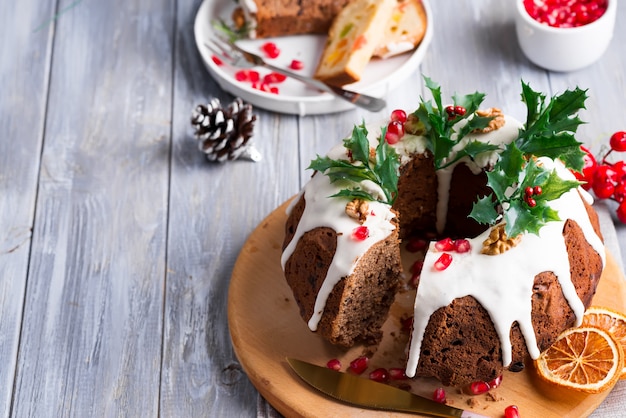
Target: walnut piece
x,y
498,242
357,209
496,123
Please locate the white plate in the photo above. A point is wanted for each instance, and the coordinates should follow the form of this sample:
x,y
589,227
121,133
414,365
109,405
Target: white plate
x,y
379,78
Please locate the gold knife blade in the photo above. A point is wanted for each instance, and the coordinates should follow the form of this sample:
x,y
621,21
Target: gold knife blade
x,y
370,394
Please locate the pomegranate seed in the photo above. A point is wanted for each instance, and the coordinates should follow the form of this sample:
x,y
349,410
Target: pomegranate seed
x,y
511,411
270,50
417,267
478,388
216,60
396,373
398,115
439,395
462,245
565,13
445,244
407,323
395,131
334,364
360,233
618,141
621,212
443,262
247,75
416,244
415,279
358,365
379,375
495,382
273,78
296,65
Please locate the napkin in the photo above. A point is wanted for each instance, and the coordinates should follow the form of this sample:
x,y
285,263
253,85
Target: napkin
x,y
615,403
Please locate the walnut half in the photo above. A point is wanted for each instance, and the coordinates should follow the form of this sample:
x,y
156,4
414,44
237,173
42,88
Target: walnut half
x,y
357,209
496,123
498,242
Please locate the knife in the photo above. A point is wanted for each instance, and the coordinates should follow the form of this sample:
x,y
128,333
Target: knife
x,y
370,394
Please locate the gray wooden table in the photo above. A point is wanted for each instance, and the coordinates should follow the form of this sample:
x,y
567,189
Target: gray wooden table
x,y
117,237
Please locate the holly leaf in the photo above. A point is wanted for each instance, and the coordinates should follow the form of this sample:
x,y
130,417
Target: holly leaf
x,y
483,211
554,187
382,169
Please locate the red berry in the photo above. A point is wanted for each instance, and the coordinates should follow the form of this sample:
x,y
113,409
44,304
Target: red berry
x,y
511,411
604,181
398,115
396,373
270,49
621,212
531,202
619,192
395,131
360,233
462,246
439,395
537,190
618,141
334,364
296,65
379,375
443,262
478,388
459,110
450,112
445,244
358,365
416,244
620,171
528,191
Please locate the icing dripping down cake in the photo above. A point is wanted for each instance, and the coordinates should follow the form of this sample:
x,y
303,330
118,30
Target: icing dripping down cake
x,y
491,304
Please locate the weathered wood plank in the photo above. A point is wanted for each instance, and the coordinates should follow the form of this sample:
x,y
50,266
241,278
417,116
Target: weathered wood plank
x,y
91,336
25,50
213,209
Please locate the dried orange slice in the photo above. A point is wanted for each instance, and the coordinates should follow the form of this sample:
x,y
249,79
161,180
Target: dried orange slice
x,y
608,320
586,359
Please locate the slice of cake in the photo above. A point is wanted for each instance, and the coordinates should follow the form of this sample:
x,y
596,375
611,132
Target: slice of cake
x,y
353,37
405,30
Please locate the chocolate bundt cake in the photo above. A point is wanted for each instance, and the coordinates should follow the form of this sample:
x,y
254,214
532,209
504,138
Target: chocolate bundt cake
x,y
519,251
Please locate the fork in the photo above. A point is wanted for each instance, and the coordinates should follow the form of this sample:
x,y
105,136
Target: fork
x,y
239,57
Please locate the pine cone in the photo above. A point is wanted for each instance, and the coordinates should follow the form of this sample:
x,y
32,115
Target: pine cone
x,y
223,134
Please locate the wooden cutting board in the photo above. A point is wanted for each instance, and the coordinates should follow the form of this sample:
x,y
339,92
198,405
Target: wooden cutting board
x,y
266,328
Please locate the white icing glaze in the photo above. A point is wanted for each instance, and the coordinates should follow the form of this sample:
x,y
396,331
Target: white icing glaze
x,y
507,298
324,211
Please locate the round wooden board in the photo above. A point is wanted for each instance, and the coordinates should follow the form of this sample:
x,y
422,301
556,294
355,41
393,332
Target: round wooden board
x,y
266,328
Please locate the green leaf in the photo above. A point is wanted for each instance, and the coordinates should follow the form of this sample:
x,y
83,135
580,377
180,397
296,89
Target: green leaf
x,y
554,187
519,219
483,211
358,144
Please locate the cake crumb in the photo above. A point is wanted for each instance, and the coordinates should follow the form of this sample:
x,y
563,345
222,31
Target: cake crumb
x,y
473,402
494,397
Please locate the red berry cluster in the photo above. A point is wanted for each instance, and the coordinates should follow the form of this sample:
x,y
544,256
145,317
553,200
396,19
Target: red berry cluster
x,y
606,179
529,192
455,111
565,13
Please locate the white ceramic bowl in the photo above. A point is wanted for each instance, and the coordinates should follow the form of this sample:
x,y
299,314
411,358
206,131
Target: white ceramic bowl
x,y
564,49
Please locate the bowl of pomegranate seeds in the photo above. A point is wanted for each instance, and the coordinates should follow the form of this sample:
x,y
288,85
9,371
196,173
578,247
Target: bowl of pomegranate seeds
x,y
564,35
